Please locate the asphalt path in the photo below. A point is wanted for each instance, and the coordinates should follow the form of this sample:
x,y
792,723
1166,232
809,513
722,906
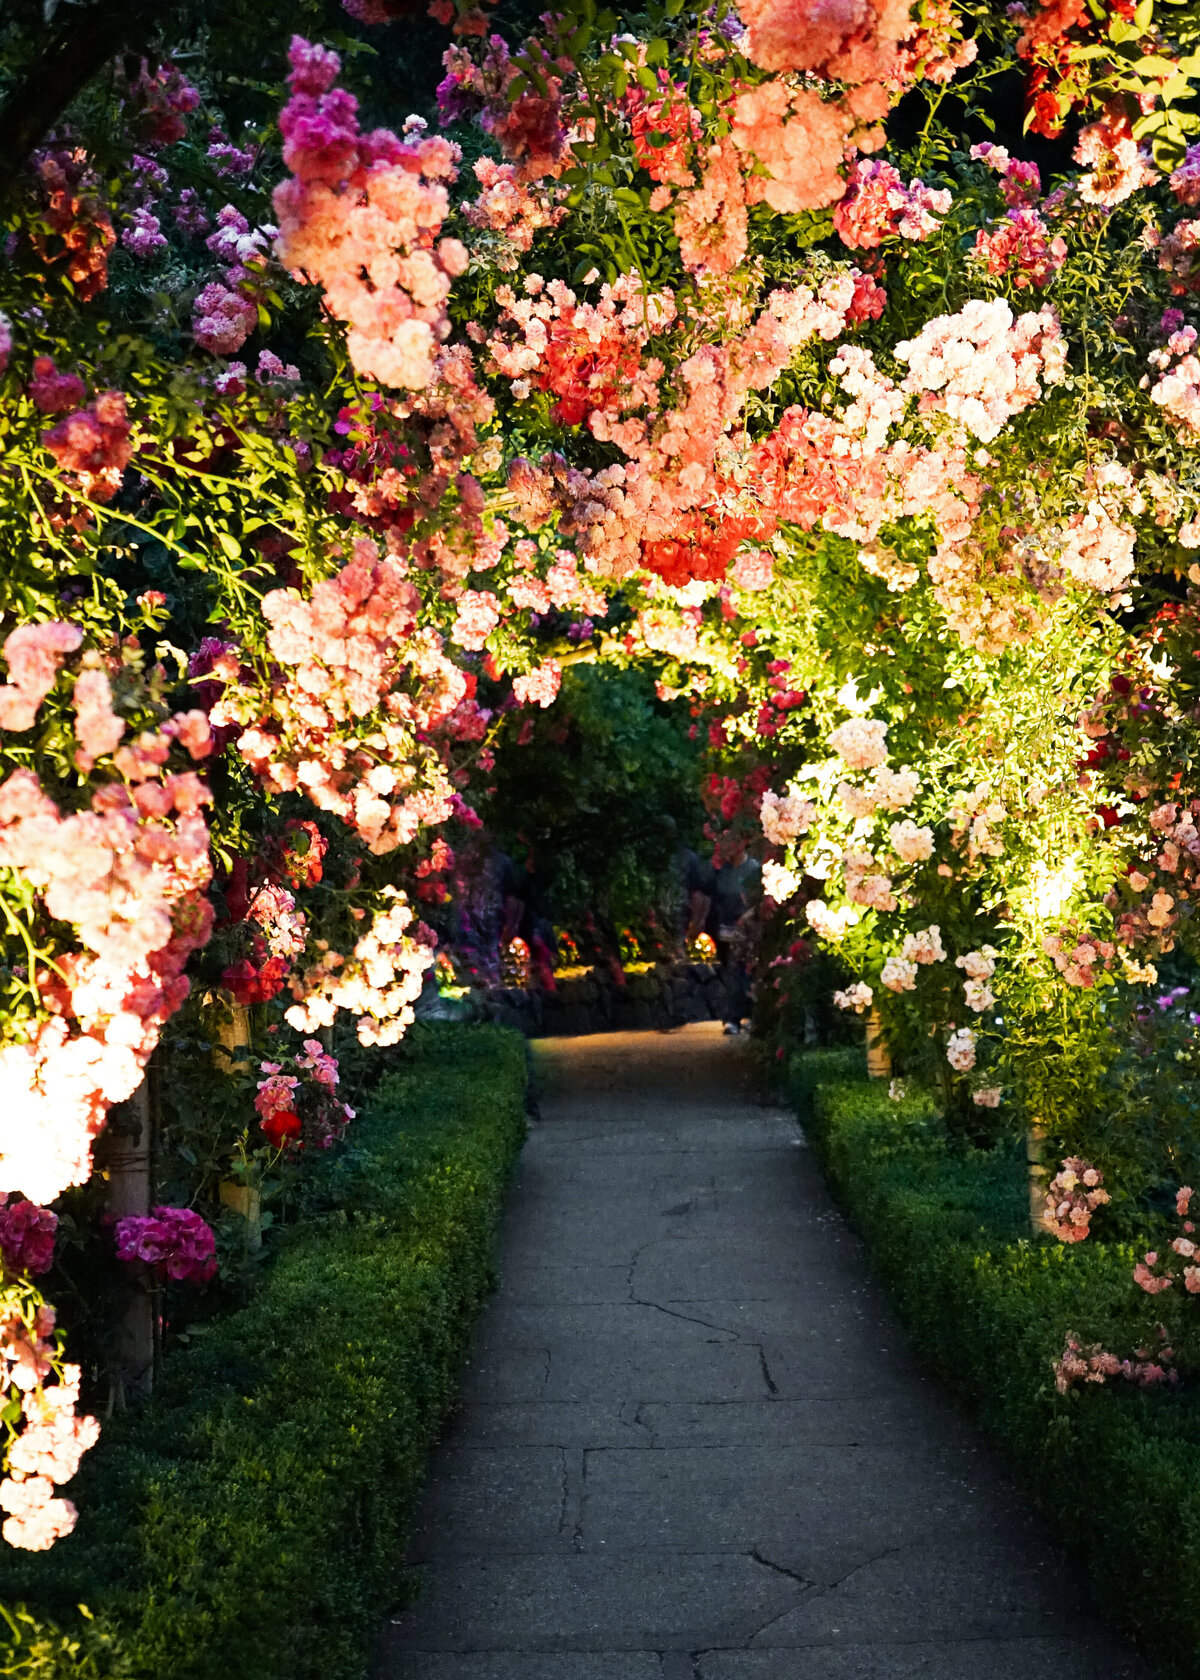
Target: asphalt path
x,y
693,1444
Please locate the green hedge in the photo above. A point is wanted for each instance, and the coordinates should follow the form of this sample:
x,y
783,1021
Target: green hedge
x,y
1116,1470
252,1519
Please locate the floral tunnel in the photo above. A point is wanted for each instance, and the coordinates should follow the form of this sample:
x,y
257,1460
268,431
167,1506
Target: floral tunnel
x,y
326,452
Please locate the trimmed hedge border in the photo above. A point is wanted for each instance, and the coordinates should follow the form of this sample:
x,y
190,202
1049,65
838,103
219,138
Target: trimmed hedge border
x,y
1116,1470
251,1520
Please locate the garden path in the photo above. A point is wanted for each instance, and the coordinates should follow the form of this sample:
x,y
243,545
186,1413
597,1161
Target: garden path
x,y
693,1445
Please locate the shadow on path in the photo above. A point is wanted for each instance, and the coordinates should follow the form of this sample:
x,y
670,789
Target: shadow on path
x,y
692,1444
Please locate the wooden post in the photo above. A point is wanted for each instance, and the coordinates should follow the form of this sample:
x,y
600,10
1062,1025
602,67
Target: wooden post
x,y
233,1033
879,1057
1035,1150
127,1166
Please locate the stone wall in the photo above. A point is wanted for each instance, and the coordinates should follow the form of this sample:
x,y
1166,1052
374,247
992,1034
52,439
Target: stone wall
x,y
667,995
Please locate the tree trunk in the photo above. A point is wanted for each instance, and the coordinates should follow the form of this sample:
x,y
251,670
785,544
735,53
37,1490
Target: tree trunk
x,y
75,44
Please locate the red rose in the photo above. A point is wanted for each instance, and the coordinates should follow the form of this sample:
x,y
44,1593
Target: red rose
x,y
281,1127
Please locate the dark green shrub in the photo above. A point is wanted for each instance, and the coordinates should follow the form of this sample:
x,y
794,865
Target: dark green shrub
x,y
1117,1470
251,1519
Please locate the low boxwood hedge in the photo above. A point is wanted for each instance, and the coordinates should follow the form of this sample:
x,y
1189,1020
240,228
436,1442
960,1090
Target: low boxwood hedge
x,y
251,1519
1116,1469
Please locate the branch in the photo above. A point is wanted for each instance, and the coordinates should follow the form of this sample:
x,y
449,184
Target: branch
x,y
78,49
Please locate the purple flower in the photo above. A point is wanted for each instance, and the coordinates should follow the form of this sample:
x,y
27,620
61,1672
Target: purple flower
x,y
231,162
174,1242
189,213
143,235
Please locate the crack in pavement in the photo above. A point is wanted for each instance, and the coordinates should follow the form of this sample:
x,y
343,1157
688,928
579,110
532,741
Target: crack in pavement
x,y
645,1247
806,1586
772,1385
577,1536
780,1568
562,1511
687,1318
811,1589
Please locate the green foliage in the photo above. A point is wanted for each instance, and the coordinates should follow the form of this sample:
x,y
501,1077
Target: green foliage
x,y
251,1519
603,792
946,1228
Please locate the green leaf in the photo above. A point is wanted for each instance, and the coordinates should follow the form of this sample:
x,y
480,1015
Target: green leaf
x,y
229,545
1154,65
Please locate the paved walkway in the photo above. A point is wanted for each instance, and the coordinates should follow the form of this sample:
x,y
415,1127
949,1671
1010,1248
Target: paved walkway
x,y
692,1444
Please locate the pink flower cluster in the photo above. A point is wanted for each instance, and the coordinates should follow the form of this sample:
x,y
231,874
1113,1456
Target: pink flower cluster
x,y
33,653
588,356
1185,180
842,473
1077,956
1072,1197
1020,245
347,721
52,1438
867,884
360,216
300,1107
284,928
92,445
540,686
974,817
1177,390
225,312
911,844
799,140
174,1242
1021,183
1117,166
933,49
379,982
861,742
52,392
1179,256
1173,827
899,975
671,508
223,317
857,997
26,1237
506,205
785,816
142,235
1155,1273
853,42
128,875
960,1052
162,99
980,366
477,613
924,946
1147,1369
878,206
